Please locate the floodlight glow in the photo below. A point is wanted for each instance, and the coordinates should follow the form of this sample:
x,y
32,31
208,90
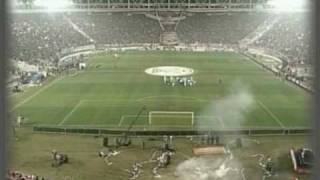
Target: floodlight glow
x,y
288,5
53,4
14,3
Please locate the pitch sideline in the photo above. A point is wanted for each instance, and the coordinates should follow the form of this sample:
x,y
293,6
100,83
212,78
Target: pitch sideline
x,y
270,113
35,94
70,113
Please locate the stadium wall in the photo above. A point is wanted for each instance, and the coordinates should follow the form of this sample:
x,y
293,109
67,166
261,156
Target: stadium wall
x,y
252,55
101,131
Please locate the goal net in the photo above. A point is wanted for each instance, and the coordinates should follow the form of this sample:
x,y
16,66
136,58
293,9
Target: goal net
x,y
171,118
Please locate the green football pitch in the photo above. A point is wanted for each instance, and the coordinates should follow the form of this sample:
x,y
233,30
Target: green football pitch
x,y
111,91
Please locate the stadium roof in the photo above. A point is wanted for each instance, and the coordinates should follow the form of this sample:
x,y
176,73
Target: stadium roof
x,y
162,5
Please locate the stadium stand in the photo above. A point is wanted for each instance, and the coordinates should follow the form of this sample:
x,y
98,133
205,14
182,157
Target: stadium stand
x,y
290,36
118,28
290,39
218,28
40,38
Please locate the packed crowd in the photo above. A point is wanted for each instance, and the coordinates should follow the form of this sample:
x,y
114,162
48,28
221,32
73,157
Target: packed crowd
x,y
290,36
16,175
38,38
220,28
118,28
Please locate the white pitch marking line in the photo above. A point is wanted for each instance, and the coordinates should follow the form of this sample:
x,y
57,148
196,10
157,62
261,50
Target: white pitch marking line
x,y
35,94
121,120
221,122
271,114
127,116
70,113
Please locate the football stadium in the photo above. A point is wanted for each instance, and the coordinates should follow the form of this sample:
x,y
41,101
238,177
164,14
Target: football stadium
x,y
169,89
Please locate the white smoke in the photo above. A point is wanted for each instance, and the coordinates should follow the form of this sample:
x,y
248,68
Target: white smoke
x,y
231,110
209,168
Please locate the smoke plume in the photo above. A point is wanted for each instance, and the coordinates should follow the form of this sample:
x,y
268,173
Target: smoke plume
x,y
230,111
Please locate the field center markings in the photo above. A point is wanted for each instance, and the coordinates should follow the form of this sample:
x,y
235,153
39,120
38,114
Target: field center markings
x,y
35,94
70,113
270,113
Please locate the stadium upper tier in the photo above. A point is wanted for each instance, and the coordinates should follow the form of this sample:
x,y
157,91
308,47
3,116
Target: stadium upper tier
x,y
43,36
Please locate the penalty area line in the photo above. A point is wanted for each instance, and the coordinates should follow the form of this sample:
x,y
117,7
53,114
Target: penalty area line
x,y
271,114
35,94
70,113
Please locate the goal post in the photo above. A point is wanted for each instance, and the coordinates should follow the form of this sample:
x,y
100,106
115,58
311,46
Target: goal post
x,y
183,118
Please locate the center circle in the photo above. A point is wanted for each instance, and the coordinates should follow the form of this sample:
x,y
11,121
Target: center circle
x,y
172,71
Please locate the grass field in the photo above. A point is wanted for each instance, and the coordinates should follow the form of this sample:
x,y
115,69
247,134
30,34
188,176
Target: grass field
x,y
109,93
